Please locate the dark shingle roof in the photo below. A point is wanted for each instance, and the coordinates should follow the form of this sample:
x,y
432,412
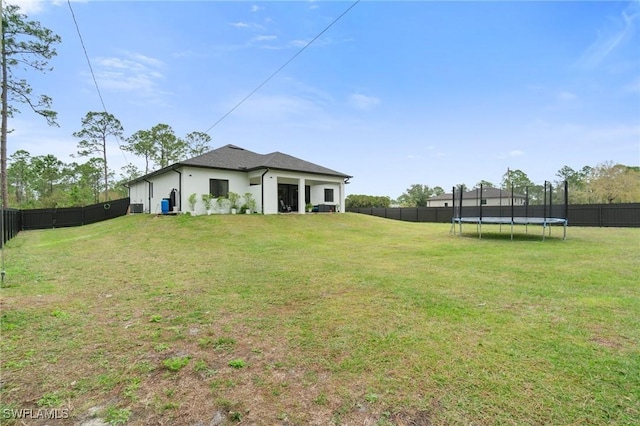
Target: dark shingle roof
x,y
232,157
227,157
486,193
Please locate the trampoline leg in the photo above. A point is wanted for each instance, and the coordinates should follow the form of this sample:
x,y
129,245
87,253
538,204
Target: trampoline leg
x,y
511,231
564,234
480,230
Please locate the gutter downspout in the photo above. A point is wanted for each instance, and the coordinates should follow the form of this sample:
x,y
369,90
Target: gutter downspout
x,y
179,189
262,188
149,192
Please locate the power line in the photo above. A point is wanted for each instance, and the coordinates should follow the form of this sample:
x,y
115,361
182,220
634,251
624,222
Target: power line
x,y
86,55
282,67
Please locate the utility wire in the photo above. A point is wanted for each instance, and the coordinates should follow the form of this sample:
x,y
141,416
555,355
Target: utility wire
x,y
282,67
86,55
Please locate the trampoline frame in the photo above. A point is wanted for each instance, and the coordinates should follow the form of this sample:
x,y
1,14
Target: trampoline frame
x,y
545,221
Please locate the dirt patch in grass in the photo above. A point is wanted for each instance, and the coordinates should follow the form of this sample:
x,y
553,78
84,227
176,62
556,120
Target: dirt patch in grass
x,y
417,418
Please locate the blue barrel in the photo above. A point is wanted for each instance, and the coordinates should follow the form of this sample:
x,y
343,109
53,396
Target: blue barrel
x,y
164,206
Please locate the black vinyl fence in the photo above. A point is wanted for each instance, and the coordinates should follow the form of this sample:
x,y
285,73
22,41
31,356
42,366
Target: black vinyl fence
x,y
14,221
602,215
73,216
11,224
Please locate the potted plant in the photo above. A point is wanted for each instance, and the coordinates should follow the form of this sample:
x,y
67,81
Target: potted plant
x,y
207,199
192,200
309,207
250,203
233,199
222,204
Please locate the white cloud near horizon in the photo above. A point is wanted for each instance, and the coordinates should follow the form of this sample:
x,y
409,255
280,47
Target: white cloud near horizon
x,y
511,154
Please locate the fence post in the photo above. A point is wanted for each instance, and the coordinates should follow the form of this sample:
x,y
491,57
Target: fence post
x,y
600,215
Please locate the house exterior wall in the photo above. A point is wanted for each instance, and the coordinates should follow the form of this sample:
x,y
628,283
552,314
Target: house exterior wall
x,y
162,186
138,195
196,180
270,182
151,193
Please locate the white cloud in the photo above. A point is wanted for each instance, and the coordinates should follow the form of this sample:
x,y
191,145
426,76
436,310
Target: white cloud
x,y
627,132
256,8
30,7
566,96
511,154
278,107
239,24
363,102
264,38
619,31
132,72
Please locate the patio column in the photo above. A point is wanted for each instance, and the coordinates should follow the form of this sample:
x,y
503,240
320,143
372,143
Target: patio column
x,y
301,197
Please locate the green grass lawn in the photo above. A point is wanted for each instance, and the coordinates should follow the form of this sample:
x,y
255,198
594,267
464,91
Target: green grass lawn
x,y
320,319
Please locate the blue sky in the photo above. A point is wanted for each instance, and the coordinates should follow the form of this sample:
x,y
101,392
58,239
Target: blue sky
x,y
395,93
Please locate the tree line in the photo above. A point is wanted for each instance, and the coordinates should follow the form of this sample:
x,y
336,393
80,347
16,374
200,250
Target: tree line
x,y
603,184
45,181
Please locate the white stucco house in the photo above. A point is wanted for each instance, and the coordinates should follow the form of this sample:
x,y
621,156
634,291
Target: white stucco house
x,y
278,182
489,197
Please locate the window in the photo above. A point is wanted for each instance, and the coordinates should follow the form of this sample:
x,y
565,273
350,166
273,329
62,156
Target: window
x,y
483,202
328,195
219,188
446,204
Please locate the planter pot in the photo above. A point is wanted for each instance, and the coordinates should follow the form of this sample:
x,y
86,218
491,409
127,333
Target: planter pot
x,y
248,211
234,211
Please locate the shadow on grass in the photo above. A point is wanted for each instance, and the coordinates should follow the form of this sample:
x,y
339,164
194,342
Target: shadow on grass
x,y
506,236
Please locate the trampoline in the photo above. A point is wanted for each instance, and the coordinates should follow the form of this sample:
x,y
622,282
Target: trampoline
x,y
518,215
